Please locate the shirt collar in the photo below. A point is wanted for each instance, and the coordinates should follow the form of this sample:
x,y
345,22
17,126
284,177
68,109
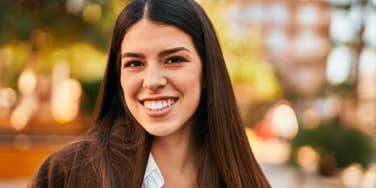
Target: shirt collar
x,y
153,177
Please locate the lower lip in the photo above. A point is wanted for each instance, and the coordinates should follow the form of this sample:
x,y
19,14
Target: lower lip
x,y
159,113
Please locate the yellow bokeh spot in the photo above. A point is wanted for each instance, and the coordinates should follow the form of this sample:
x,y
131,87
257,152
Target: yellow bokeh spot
x,y
92,13
27,82
66,101
308,158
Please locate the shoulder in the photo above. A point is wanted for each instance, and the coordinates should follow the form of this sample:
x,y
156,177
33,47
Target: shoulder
x,y
66,164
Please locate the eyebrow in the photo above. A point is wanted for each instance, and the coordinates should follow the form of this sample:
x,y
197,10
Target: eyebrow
x,y
171,51
161,54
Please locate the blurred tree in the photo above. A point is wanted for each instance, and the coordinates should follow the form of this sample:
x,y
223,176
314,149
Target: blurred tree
x,y
78,32
66,20
344,146
255,83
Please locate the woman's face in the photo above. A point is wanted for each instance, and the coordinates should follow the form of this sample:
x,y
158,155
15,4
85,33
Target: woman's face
x,y
161,76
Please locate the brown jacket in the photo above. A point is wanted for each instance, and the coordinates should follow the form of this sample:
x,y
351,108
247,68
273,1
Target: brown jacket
x,y
70,167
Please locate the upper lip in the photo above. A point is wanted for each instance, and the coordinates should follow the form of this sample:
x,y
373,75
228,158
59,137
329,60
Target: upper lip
x,y
157,98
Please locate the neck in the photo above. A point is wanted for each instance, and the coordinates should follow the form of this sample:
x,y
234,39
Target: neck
x,y
175,154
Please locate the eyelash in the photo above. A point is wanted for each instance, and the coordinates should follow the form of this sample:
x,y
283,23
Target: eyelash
x,y
170,60
133,63
176,58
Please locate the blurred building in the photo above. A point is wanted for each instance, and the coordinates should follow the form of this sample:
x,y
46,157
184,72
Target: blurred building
x,y
324,55
321,51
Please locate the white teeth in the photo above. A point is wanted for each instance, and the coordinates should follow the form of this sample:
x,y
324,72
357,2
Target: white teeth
x,y
170,101
158,105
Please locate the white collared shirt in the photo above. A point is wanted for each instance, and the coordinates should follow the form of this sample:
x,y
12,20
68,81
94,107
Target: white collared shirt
x,y
153,177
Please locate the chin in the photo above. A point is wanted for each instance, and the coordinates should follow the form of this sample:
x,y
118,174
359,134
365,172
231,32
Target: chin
x,y
162,130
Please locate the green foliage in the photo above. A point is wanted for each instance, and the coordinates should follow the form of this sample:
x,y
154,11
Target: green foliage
x,y
345,144
13,60
244,57
86,62
19,20
49,33
343,88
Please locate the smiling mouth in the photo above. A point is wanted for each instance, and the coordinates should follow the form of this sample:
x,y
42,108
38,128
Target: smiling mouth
x,y
159,106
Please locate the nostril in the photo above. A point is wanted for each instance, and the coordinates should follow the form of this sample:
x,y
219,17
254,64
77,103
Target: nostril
x,y
155,84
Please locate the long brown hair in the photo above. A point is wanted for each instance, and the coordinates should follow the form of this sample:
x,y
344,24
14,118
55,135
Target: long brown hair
x,y
122,146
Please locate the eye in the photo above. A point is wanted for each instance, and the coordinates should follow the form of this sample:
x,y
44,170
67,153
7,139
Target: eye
x,y
133,64
175,59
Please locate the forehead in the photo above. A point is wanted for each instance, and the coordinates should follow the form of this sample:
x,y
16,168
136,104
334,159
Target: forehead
x,y
148,35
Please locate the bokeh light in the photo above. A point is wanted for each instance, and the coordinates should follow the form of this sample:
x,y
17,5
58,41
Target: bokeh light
x,y
27,82
66,101
8,98
369,35
284,119
92,13
271,152
75,6
352,175
311,118
342,27
23,112
369,178
308,158
339,64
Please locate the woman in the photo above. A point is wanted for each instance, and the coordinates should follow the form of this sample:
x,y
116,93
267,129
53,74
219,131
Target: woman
x,y
166,113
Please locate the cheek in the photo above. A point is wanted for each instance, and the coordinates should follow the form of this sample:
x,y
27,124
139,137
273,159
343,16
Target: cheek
x,y
196,78
129,85
190,81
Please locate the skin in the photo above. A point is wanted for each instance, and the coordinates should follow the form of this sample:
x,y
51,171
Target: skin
x,y
160,62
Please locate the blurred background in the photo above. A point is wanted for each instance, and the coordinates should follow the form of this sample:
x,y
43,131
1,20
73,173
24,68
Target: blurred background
x,y
304,72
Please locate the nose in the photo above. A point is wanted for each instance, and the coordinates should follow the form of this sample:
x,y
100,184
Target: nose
x,y
154,78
